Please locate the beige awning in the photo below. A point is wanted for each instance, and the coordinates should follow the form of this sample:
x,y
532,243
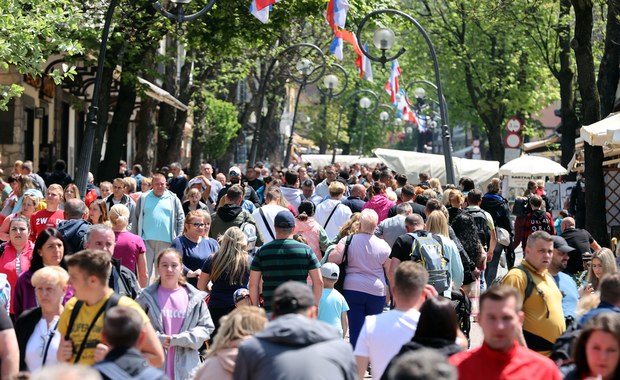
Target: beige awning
x,y
603,132
162,95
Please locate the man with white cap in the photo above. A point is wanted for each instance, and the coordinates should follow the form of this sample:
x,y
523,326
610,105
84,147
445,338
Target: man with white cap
x,y
283,258
333,307
234,177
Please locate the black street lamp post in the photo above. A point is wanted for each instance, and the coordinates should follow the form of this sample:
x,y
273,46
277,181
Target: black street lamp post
x,y
383,39
343,107
330,81
306,68
86,152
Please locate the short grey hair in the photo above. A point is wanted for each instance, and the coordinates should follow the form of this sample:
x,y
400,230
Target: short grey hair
x,y
404,209
103,228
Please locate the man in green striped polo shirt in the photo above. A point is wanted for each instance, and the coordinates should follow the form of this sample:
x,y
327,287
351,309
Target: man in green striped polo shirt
x,y
281,260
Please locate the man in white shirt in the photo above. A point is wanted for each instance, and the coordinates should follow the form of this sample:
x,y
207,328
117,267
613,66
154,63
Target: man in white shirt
x,y
216,186
266,214
384,334
331,213
322,189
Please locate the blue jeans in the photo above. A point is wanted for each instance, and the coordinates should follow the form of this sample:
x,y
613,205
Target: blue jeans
x,y
360,305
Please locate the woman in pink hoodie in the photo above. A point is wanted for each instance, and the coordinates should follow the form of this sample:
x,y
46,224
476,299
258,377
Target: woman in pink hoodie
x,y
241,323
379,202
310,229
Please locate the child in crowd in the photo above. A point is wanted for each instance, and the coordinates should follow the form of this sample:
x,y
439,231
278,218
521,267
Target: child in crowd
x,y
557,223
333,307
241,297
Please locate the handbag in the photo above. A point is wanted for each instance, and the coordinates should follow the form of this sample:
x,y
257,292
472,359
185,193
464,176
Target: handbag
x,y
339,285
503,236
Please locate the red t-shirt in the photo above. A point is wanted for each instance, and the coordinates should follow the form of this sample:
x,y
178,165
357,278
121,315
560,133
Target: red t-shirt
x,y
517,363
43,219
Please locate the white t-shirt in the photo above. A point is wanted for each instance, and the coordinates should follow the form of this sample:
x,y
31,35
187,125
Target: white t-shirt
x,y
38,341
383,335
340,216
270,211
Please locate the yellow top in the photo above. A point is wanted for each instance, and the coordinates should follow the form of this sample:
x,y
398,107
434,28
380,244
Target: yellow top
x,y
543,308
82,323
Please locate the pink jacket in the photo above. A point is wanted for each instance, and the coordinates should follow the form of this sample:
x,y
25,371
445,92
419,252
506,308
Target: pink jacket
x,y
220,366
381,204
311,230
7,264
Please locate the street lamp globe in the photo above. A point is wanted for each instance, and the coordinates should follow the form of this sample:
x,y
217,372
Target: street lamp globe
x,y
383,116
419,93
305,66
365,103
383,38
399,122
330,81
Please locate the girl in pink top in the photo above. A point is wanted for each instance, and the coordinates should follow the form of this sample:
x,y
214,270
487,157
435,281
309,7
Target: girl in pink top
x,y
179,315
379,201
310,229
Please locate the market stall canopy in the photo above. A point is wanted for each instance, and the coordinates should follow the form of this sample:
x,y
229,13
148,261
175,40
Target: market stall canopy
x,y
317,160
603,132
527,165
413,163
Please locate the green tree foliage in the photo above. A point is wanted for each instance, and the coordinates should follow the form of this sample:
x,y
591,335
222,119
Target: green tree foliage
x,y
219,124
33,30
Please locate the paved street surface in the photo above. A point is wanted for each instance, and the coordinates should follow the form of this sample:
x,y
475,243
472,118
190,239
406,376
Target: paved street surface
x,y
475,335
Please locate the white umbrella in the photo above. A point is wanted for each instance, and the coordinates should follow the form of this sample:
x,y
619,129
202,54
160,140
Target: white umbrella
x,y
527,165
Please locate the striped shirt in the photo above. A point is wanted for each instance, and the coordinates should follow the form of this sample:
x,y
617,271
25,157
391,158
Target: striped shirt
x,y
280,261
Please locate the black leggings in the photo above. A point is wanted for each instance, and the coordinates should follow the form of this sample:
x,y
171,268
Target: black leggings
x,y
216,314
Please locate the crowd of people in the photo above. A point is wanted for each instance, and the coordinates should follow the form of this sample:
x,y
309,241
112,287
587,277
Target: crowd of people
x,y
342,272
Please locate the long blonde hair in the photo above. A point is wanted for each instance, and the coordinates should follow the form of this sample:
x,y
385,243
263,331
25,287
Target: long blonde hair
x,y
232,257
437,223
242,322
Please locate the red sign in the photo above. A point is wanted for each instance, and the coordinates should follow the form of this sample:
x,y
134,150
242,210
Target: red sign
x,y
513,140
514,125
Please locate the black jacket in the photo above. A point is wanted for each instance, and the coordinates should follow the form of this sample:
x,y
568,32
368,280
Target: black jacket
x,y
74,230
24,327
497,206
123,281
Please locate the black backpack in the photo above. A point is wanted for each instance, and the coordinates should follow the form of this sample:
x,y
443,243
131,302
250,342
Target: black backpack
x,y
482,226
538,220
562,352
521,207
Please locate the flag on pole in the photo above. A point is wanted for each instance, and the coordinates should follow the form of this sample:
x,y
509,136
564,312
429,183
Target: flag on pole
x,y
404,111
336,14
261,8
366,66
336,47
392,84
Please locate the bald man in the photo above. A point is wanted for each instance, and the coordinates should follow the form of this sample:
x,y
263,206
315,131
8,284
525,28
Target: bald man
x,y
581,241
356,201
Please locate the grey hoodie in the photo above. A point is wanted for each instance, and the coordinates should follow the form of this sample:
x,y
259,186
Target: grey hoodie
x,y
294,346
196,328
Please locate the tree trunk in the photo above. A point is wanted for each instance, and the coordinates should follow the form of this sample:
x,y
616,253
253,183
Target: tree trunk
x,y
146,131
173,150
117,132
609,70
167,113
565,77
102,117
596,222
496,145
